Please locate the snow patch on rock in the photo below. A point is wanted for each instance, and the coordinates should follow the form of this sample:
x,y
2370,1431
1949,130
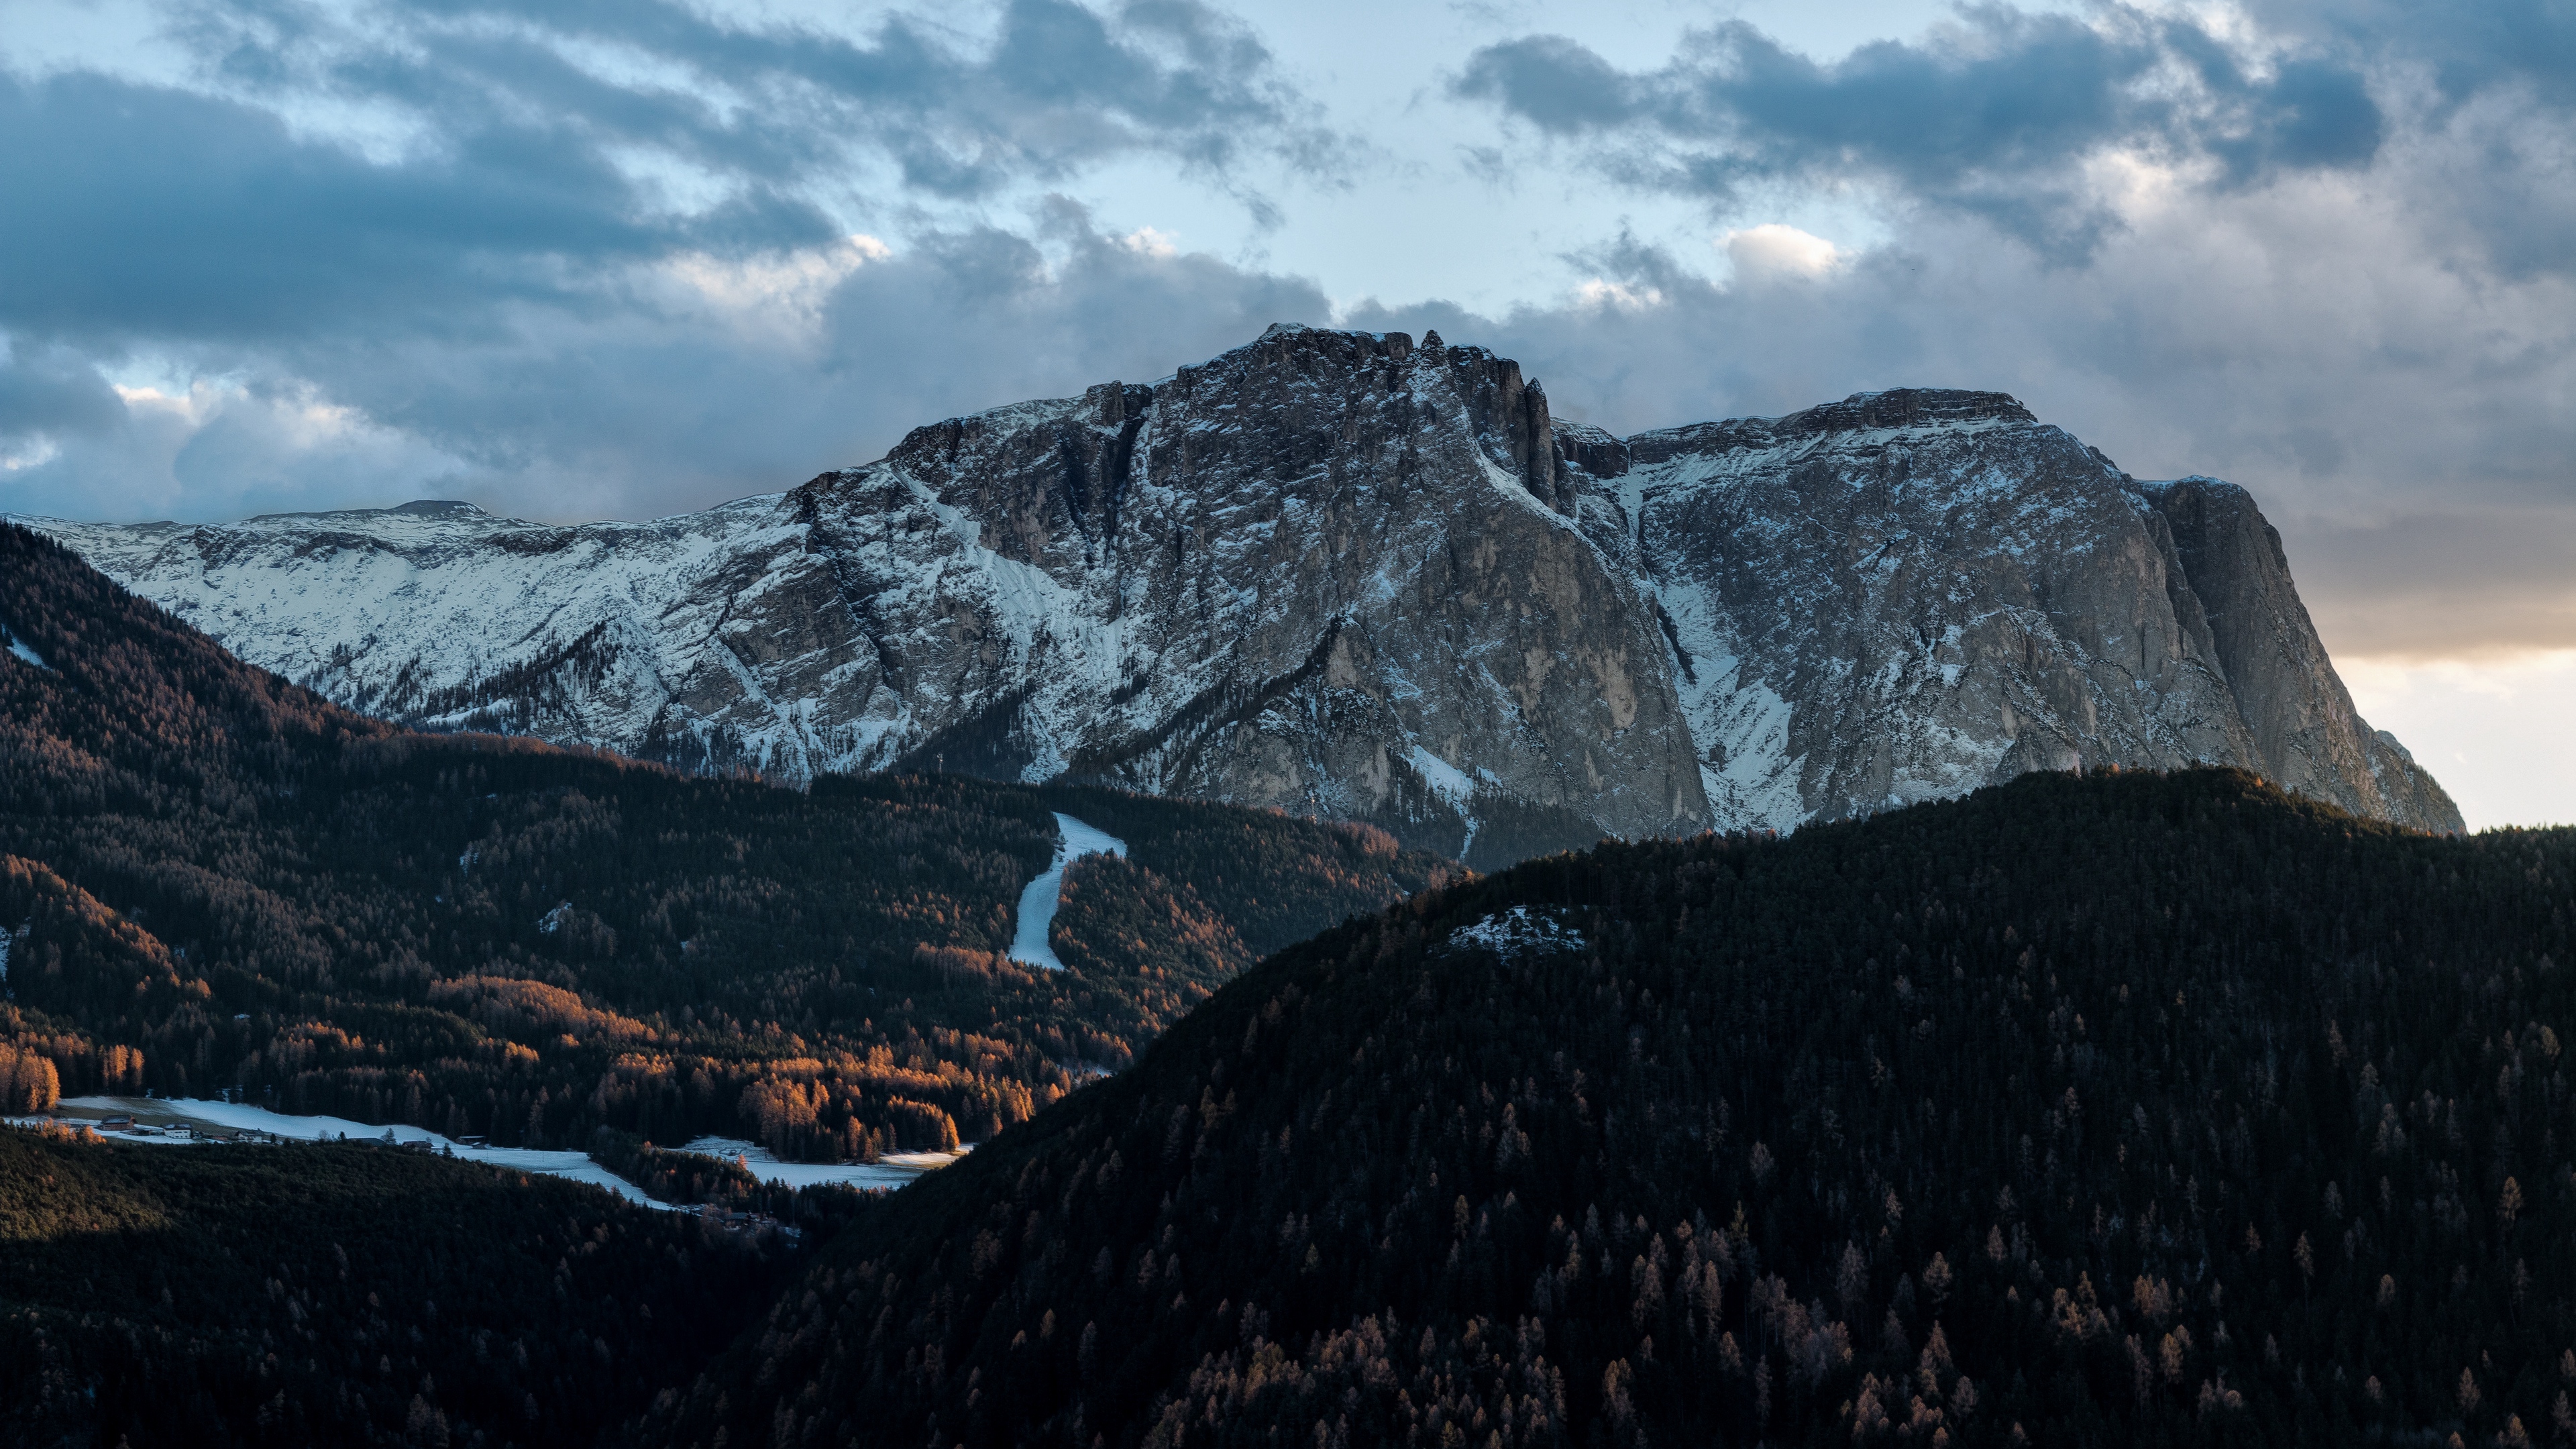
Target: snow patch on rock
x,y
1518,930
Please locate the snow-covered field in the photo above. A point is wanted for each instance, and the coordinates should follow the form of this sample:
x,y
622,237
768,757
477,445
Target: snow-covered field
x,y
1038,901
241,1117
197,1115
893,1170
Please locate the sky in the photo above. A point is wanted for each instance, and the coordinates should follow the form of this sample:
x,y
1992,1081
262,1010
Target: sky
x,y
575,259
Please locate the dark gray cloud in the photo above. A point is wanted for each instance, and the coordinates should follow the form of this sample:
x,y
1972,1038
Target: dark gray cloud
x,y
1058,87
1993,116
45,390
437,244
145,212
709,380
140,210
2467,50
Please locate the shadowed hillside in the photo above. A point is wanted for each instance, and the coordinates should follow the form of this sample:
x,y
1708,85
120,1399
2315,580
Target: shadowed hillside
x,y
342,1294
2117,1109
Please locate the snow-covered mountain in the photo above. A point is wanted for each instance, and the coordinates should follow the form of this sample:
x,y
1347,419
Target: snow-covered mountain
x,y
1337,572
1905,595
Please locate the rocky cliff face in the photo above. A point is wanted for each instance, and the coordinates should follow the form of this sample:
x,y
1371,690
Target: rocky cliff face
x,y
1908,594
1338,572
2305,731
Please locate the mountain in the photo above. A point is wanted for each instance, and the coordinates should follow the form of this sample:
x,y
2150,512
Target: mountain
x,y
210,877
2118,1108
1905,595
1335,572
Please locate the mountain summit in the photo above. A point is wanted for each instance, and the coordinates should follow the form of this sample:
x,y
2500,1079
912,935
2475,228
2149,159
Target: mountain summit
x,y
1346,573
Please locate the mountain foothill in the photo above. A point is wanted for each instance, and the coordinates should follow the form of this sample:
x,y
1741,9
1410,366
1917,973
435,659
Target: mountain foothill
x,y
220,881
1944,964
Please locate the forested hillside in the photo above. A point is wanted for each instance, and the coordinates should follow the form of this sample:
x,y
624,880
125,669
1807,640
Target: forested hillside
x,y
2116,1109
343,1294
211,878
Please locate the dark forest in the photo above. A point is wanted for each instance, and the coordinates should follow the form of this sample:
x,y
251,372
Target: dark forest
x,y
342,1294
2125,1109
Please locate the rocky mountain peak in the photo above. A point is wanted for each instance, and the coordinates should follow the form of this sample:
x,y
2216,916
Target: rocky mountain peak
x,y
1903,407
1351,574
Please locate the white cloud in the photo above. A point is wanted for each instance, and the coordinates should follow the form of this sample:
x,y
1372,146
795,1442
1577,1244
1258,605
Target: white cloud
x,y
780,293
1145,241
29,453
1773,251
1619,296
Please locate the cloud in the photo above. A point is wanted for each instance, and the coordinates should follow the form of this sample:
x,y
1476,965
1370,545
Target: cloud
x,y
1997,114
705,382
544,144
1056,86
149,213
45,390
606,250
575,258
2326,250
1774,250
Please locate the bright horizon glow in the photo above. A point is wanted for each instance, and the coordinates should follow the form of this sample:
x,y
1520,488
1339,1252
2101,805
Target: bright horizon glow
x,y
2499,733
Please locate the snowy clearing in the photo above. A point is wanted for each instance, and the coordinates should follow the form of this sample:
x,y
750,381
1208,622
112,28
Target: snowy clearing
x,y
19,647
1038,902
892,1170
1508,933
242,1117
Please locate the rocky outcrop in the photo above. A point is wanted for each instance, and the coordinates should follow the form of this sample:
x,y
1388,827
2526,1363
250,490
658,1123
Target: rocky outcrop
x,y
1325,571
1907,594
1342,573
2305,731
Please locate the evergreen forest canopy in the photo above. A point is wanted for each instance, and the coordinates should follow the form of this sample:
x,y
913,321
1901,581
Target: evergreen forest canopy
x,y
2124,1109
342,1294
211,878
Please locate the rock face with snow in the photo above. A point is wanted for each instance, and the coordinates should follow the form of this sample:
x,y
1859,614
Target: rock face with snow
x,y
1908,594
1337,572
